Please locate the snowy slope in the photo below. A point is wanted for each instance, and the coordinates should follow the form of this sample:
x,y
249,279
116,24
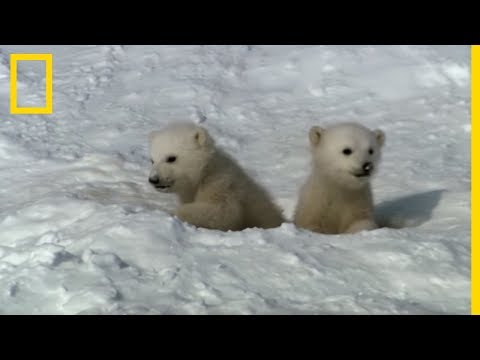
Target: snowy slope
x,y
82,232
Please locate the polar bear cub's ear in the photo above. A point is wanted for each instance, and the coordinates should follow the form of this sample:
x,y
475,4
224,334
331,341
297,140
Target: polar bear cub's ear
x,y
380,136
315,134
202,137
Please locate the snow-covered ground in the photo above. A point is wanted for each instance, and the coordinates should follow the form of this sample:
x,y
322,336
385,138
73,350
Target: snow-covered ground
x,y
82,231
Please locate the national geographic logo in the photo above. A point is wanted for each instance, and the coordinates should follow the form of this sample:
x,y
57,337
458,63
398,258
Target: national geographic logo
x,y
48,59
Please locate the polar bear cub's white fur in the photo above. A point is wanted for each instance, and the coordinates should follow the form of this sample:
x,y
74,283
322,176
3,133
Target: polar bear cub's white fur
x,y
337,196
213,190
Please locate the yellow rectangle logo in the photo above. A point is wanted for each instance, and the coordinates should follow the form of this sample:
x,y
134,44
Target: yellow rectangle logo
x,y
14,59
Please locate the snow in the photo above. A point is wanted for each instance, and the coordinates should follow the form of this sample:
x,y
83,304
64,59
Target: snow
x,y
82,232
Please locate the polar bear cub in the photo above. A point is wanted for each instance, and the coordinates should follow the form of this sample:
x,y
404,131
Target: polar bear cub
x,y
214,192
337,196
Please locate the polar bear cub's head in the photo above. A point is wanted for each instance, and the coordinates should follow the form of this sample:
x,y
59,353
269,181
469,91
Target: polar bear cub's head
x,y
348,153
179,153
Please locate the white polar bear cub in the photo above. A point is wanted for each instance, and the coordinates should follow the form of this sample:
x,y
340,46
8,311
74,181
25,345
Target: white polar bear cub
x,y
213,191
337,197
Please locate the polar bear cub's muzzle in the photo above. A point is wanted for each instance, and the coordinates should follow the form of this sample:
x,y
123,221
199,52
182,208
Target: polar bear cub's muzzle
x,y
159,183
366,171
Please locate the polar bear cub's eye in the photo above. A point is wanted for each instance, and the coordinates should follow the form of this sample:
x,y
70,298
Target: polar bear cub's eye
x,y
151,160
171,159
347,151
370,151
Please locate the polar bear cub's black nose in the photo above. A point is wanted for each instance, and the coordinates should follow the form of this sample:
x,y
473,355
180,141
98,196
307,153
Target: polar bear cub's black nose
x,y
367,167
154,180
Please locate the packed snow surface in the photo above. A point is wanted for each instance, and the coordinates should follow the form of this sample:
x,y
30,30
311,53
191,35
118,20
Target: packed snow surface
x,y
82,231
